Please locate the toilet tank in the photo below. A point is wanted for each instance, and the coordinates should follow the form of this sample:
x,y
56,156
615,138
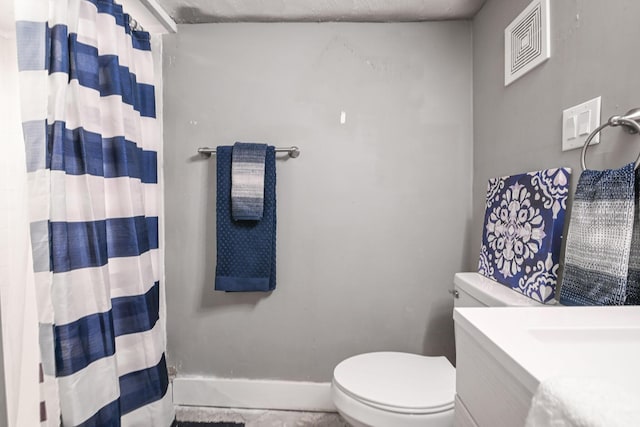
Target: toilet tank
x,y
476,290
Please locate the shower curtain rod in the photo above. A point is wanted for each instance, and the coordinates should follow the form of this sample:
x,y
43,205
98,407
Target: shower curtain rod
x,y
150,15
292,151
134,24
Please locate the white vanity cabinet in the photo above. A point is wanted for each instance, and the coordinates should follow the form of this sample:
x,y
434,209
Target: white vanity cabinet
x,y
486,393
503,354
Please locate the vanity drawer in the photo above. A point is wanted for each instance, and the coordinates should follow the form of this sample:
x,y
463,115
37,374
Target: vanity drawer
x,y
491,395
461,416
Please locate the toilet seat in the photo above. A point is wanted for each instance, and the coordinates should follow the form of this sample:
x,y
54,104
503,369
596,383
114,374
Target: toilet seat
x,y
398,382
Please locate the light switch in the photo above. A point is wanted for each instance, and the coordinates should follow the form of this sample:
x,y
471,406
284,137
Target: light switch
x,y
578,122
570,127
584,123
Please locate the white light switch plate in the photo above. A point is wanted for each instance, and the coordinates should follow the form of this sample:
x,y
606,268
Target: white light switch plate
x,y
578,122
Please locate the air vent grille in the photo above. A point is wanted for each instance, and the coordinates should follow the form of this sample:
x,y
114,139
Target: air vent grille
x,y
527,41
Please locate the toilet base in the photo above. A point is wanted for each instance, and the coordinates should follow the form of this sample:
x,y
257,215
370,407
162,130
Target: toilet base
x,y
360,415
352,422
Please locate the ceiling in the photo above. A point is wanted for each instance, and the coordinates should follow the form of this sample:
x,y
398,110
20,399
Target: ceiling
x,y
201,11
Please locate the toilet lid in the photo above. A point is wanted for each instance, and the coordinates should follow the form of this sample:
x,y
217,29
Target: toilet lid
x,y
398,382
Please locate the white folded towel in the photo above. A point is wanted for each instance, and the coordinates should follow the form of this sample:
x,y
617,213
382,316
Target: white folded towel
x,y
583,402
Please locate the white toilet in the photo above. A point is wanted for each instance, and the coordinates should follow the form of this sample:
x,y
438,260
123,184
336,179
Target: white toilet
x,y
391,389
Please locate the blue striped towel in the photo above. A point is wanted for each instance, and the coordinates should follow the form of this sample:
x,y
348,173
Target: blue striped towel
x,y
246,250
597,255
247,181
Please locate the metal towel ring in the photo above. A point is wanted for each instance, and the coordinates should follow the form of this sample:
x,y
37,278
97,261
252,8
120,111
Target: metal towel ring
x,y
629,123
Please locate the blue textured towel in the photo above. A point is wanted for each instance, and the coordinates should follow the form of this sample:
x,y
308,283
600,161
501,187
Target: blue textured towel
x,y
633,276
246,250
247,181
597,255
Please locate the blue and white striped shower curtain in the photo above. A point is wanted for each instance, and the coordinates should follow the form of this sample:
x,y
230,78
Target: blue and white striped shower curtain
x,y
91,140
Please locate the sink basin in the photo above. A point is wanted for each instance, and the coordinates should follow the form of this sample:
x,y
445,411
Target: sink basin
x,y
515,348
586,337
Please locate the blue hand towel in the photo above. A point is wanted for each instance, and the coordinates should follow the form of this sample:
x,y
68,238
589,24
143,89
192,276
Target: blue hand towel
x,y
246,250
599,238
633,276
247,181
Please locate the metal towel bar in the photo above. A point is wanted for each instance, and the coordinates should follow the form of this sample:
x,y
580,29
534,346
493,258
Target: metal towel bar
x,y
629,123
293,151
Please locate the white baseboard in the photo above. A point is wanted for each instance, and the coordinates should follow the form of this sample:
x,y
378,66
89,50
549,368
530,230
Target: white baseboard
x,y
252,394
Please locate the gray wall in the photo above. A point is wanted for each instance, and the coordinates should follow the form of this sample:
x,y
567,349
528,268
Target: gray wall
x,y
518,128
372,217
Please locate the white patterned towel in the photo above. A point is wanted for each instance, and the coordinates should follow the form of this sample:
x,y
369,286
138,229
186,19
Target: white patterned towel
x,y
582,402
